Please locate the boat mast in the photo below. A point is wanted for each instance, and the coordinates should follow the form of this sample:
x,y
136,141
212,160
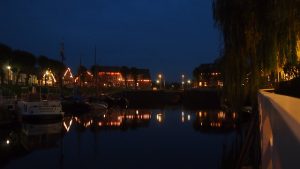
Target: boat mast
x,y
96,71
62,55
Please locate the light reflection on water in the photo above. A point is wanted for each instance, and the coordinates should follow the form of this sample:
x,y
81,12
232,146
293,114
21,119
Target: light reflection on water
x,y
123,139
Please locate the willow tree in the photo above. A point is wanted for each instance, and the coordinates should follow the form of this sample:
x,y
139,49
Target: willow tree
x,y
258,37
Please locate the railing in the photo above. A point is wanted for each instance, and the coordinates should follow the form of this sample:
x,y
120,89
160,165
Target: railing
x,y
280,130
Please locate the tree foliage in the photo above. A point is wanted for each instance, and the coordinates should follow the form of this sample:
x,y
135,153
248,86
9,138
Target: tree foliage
x,y
258,37
23,62
5,57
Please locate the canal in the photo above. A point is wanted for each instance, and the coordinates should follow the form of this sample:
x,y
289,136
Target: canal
x,y
115,138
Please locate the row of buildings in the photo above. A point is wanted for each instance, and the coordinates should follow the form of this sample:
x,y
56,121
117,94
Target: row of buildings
x,y
205,76
209,75
102,76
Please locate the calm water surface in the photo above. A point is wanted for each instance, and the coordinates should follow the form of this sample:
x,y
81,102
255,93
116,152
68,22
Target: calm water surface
x,y
117,139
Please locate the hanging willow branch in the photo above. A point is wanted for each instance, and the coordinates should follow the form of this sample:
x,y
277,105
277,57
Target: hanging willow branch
x,y
258,36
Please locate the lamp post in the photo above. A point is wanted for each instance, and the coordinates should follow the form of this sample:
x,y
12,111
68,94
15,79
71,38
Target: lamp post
x,y
8,73
182,81
160,77
189,83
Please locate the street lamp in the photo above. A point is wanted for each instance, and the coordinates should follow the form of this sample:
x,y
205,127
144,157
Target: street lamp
x,y
160,77
182,80
189,83
8,73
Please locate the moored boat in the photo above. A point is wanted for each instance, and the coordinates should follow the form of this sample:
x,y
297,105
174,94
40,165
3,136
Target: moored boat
x,y
40,107
43,109
98,106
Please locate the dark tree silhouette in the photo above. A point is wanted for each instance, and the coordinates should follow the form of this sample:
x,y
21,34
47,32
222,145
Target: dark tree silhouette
x,y
5,57
23,62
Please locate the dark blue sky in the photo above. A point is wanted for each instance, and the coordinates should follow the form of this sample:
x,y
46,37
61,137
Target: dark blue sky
x,y
169,36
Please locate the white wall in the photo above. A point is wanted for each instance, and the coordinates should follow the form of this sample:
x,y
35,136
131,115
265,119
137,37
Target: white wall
x,y
280,131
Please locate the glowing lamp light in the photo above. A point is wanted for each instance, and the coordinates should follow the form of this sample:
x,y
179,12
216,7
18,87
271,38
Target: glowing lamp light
x,y
7,142
159,118
8,67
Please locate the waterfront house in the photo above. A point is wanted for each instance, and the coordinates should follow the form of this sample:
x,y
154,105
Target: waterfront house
x,y
115,77
208,75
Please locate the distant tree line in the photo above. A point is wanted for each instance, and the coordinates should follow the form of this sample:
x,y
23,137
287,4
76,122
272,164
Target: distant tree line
x,y
27,63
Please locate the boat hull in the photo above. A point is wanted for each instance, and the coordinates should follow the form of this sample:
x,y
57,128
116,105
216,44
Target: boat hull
x,y
40,110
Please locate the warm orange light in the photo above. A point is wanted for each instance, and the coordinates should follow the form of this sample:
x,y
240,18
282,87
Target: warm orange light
x,y
144,80
110,73
234,115
200,114
159,117
47,74
221,115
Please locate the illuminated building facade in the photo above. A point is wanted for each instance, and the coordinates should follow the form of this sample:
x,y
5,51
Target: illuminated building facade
x,y
68,78
48,78
105,77
113,77
140,80
110,76
85,78
207,75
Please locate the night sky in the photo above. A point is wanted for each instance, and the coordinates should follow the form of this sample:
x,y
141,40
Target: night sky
x,y
168,36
